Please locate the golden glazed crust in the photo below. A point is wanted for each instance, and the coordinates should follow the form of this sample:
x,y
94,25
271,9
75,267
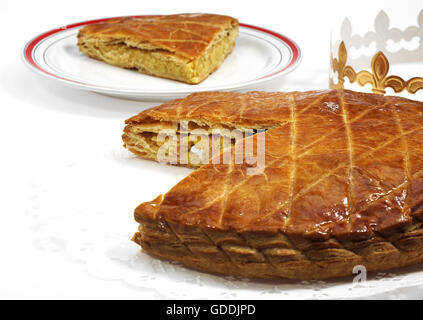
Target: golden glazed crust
x,y
342,185
184,47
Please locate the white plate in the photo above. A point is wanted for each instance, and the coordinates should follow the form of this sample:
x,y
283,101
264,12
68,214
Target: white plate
x,y
260,56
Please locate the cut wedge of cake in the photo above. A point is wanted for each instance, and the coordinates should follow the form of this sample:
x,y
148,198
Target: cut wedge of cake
x,y
183,47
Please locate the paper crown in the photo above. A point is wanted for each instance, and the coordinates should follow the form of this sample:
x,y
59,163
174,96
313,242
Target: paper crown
x,y
389,47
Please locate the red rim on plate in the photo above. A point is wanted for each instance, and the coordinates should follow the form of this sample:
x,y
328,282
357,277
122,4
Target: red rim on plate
x,y
29,47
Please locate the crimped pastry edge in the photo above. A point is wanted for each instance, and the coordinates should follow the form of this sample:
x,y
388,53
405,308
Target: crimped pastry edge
x,y
278,255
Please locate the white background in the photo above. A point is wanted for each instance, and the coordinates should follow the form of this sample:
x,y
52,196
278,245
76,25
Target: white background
x,y
62,159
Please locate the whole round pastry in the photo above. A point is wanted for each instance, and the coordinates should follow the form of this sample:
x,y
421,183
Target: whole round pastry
x,y
341,186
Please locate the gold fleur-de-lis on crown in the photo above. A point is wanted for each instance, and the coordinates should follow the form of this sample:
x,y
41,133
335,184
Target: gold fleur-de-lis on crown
x,y
378,78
